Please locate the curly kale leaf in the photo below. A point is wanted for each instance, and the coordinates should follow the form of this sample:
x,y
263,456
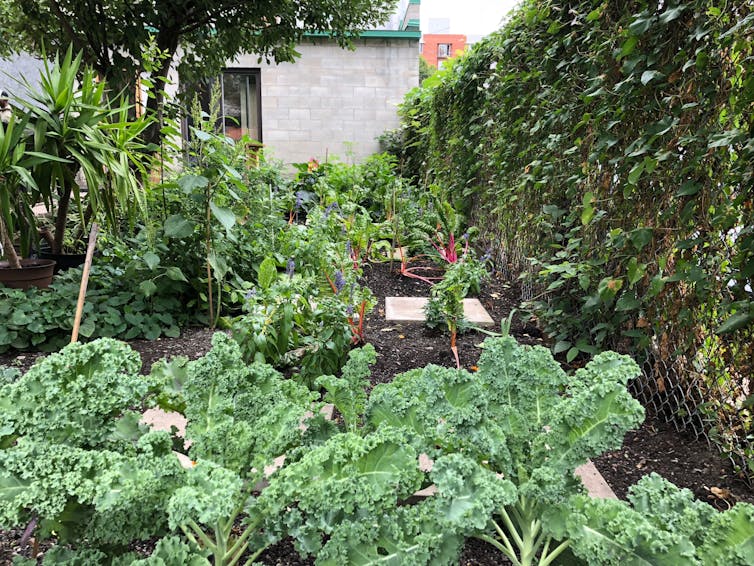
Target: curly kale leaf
x,y
430,531
241,416
85,494
348,476
661,524
348,393
170,551
591,417
443,409
210,495
75,396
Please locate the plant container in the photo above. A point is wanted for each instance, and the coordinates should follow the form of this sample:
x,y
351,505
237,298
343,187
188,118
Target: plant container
x,y
33,273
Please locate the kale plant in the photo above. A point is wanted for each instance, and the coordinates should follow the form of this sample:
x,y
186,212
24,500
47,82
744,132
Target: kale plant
x,y
74,459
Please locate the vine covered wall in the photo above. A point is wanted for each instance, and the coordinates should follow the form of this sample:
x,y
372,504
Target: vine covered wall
x,y
607,149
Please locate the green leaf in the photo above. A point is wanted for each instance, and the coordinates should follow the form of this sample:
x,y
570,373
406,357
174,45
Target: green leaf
x,y
176,226
218,264
640,237
225,216
671,14
12,487
735,322
635,174
689,188
627,302
561,346
647,76
628,47
87,328
147,287
151,259
571,355
175,274
588,210
189,183
635,271
267,273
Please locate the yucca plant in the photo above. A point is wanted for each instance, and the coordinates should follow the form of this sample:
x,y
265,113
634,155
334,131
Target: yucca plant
x,y
76,124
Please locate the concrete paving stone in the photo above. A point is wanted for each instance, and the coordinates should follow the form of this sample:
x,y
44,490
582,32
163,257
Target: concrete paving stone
x,y
411,309
594,482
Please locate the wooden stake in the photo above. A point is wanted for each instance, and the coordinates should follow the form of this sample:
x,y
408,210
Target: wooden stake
x,y
84,282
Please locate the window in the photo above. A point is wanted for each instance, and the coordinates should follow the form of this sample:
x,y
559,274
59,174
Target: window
x,y
444,49
240,103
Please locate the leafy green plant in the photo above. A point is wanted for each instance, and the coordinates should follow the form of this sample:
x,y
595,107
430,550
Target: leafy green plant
x,y
625,182
445,305
348,392
75,460
80,128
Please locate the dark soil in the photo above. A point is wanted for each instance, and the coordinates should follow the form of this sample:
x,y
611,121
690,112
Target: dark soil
x,y
654,447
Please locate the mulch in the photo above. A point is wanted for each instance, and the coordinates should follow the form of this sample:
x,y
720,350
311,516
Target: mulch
x,y
654,447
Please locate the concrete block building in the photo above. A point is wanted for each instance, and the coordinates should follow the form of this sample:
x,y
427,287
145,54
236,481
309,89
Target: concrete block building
x,y
330,101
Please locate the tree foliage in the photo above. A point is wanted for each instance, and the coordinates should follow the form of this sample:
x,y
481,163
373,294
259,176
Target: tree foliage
x,y
199,36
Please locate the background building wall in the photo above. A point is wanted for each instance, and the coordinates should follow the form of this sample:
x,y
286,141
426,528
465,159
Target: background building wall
x,y
432,41
334,101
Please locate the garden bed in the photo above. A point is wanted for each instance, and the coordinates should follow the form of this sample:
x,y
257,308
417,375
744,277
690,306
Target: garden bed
x,y
654,447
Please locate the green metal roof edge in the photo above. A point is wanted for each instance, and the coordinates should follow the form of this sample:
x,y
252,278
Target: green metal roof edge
x,y
378,33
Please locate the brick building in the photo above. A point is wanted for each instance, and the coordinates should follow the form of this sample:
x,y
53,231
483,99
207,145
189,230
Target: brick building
x,y
438,47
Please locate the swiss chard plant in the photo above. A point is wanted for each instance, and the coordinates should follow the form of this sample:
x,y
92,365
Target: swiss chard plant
x,y
445,305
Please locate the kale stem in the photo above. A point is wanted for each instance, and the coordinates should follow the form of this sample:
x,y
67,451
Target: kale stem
x,y
254,556
241,543
511,526
555,553
200,533
504,537
511,555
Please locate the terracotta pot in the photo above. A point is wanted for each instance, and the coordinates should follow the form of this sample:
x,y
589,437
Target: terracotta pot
x,y
33,273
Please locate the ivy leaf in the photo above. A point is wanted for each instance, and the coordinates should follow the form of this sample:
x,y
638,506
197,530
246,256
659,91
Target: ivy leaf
x,y
628,47
635,271
735,321
588,212
640,237
647,76
635,174
671,14
689,188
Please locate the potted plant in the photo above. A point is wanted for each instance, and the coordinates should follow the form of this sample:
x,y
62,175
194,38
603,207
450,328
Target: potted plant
x,y
81,130
17,191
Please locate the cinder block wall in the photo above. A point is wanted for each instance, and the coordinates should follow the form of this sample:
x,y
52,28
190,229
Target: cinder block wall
x,y
332,100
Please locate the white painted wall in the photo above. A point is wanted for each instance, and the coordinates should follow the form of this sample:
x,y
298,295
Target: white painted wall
x,y
334,101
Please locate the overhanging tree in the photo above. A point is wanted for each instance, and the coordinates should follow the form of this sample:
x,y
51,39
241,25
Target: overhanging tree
x,y
199,36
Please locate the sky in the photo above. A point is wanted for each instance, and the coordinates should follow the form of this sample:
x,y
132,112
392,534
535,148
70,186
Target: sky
x,y
469,17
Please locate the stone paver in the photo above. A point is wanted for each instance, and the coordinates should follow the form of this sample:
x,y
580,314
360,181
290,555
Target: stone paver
x,y
411,309
594,482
